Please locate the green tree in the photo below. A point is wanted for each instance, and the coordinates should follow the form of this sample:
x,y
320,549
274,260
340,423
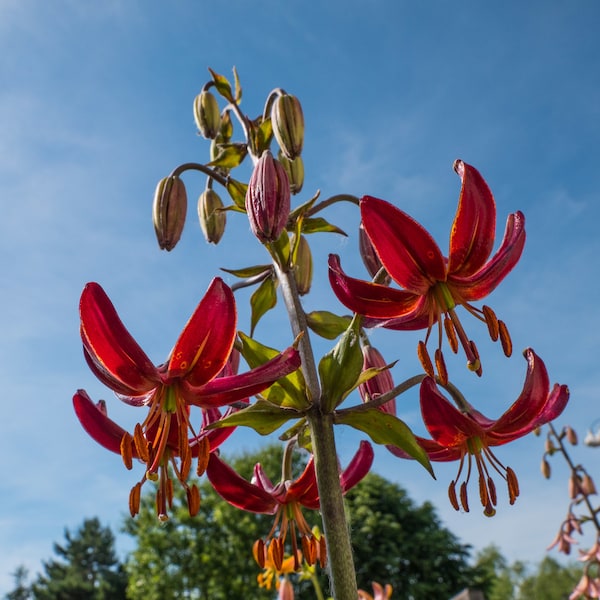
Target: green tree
x,y
87,569
22,590
397,542
551,581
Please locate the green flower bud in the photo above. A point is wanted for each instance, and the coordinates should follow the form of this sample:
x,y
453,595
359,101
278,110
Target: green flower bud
x,y
288,124
168,211
303,266
212,217
294,170
268,199
207,115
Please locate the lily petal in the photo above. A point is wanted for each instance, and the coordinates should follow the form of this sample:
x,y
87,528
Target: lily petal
x,y
370,299
407,251
109,345
225,390
236,490
206,341
358,467
474,227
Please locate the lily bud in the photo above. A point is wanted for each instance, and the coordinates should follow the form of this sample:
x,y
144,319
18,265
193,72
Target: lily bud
x,y
207,115
303,267
288,124
168,211
571,435
268,199
294,170
286,590
369,256
212,217
380,383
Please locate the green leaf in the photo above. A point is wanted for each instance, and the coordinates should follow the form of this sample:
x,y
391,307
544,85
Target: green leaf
x,y
262,300
238,87
263,417
289,391
340,368
327,324
318,224
294,430
384,428
237,191
246,272
229,156
223,86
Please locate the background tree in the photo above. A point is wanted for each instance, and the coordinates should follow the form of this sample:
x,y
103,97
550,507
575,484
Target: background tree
x,y
87,569
22,590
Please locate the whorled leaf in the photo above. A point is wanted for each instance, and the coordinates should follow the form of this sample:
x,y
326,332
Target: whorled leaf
x,y
223,86
384,428
246,272
237,191
262,300
229,156
319,224
327,324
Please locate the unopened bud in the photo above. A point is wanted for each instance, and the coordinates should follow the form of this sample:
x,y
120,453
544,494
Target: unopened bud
x,y
268,199
546,470
288,125
587,485
212,217
294,170
571,435
168,211
207,115
303,267
369,256
380,383
286,590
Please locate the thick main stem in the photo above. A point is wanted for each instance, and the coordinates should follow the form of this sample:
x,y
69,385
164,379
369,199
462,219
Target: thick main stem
x,y
335,527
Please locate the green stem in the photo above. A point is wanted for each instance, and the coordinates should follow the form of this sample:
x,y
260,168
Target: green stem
x,y
317,587
335,527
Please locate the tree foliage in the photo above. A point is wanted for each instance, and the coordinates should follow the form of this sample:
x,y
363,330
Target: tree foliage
x,y
87,567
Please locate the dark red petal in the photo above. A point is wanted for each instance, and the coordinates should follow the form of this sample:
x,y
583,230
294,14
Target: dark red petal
x,y
557,401
370,299
207,339
406,250
420,318
305,489
236,490
522,415
261,479
435,451
100,428
358,467
483,282
225,390
474,228
447,425
110,346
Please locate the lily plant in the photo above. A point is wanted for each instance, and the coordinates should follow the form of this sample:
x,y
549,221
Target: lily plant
x,y
192,403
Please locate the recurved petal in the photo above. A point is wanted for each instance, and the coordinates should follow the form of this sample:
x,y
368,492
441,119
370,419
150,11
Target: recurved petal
x,y
304,489
110,346
484,281
406,250
225,390
435,451
97,424
474,228
446,424
236,490
358,467
207,339
369,299
521,416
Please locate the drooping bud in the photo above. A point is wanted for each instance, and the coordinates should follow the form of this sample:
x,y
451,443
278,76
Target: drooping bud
x,y
571,435
303,267
545,468
380,383
369,256
168,211
294,170
288,124
268,199
207,115
212,217
286,590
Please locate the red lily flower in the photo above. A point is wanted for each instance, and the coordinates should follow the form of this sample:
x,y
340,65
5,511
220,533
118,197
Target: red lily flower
x,y
196,374
434,285
284,500
466,433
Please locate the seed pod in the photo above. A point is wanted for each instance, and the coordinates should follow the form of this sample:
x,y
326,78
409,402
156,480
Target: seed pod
x,y
168,211
268,199
288,125
212,217
207,115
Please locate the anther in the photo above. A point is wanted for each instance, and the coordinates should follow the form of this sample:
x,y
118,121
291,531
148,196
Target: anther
x,y
260,553
505,338
492,490
276,550
513,485
425,359
463,496
193,500
127,450
141,443
203,455
309,549
322,552
451,333
134,499
440,365
491,321
474,364
452,495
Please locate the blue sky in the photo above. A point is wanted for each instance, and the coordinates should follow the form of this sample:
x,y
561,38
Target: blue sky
x,y
95,107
